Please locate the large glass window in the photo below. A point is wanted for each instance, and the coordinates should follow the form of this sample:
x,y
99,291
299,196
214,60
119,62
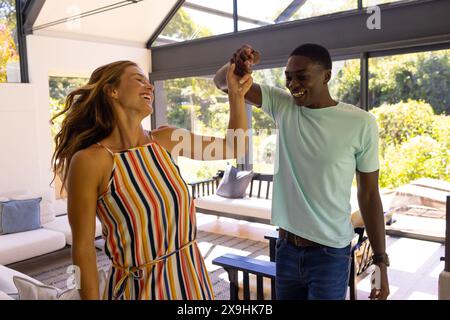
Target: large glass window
x,y
345,81
266,13
410,96
197,105
264,136
369,3
198,19
314,8
9,48
270,12
60,87
202,18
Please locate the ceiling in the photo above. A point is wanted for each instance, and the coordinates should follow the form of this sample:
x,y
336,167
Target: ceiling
x,y
115,21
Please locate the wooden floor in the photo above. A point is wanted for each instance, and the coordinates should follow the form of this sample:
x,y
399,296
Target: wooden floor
x,y
415,264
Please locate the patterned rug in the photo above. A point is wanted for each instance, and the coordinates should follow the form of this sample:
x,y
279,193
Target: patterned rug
x,y
52,269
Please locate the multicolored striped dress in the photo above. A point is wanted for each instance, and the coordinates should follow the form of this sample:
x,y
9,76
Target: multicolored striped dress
x,y
149,227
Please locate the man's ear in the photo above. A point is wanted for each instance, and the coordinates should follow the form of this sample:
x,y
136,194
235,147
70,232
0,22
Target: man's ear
x,y
327,77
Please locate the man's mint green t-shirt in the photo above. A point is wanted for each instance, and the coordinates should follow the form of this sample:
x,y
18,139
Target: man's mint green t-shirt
x,y
318,152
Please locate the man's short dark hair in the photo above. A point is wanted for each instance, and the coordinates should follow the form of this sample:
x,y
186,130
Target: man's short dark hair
x,y
315,52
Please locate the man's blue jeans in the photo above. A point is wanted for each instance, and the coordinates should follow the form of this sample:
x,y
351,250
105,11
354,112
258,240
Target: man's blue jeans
x,y
311,273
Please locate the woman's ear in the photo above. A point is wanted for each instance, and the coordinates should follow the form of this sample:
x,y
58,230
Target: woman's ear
x,y
110,91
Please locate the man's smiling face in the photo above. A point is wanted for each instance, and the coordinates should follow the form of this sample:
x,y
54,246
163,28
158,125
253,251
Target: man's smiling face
x,y
306,80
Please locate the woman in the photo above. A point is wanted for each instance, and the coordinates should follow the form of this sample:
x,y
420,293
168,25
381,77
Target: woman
x,y
125,175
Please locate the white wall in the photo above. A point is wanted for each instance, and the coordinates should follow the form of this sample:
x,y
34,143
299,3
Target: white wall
x,y
19,168
25,137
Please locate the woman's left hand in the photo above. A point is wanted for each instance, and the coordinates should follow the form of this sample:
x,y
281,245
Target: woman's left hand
x,y
238,86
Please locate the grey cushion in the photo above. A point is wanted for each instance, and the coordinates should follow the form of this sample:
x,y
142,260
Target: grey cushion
x,y
234,183
20,215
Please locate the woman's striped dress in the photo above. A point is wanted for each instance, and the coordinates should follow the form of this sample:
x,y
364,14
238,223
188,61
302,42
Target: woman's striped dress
x,y
149,226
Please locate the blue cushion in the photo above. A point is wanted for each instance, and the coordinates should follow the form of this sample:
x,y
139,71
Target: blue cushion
x,y
234,183
20,215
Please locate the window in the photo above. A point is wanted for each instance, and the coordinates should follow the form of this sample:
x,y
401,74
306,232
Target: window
x,y
264,137
195,104
198,19
266,13
314,8
369,3
410,96
271,12
60,87
203,18
345,81
9,48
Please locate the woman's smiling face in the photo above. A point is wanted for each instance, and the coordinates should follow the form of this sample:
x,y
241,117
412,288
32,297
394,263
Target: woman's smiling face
x,y
135,91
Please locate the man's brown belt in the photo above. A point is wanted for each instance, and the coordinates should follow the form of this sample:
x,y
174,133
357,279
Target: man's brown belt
x,y
296,240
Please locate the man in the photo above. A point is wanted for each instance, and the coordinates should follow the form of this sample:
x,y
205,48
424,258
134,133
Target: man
x,y
322,143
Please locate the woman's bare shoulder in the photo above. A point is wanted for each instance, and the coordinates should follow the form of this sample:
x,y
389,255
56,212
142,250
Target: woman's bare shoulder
x,y
169,136
93,157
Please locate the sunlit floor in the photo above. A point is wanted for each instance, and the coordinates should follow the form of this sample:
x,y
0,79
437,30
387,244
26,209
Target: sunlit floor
x,y
413,274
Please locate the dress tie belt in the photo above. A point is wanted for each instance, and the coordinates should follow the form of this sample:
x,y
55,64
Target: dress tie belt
x,y
137,271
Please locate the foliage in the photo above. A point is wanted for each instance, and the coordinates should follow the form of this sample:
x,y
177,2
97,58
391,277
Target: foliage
x,y
420,156
317,8
8,36
414,143
345,85
183,27
402,121
60,87
417,76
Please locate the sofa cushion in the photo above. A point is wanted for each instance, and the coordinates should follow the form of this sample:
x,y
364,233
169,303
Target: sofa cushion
x,y
4,296
6,280
46,206
251,207
25,245
234,183
61,224
60,207
29,289
20,215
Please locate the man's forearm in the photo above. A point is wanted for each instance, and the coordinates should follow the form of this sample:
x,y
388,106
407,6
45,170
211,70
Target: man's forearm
x,y
372,212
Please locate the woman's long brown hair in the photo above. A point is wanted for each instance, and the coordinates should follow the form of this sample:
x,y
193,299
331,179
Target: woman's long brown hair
x,y
89,116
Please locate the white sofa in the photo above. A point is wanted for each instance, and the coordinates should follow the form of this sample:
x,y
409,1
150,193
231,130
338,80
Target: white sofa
x,y
54,235
26,245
